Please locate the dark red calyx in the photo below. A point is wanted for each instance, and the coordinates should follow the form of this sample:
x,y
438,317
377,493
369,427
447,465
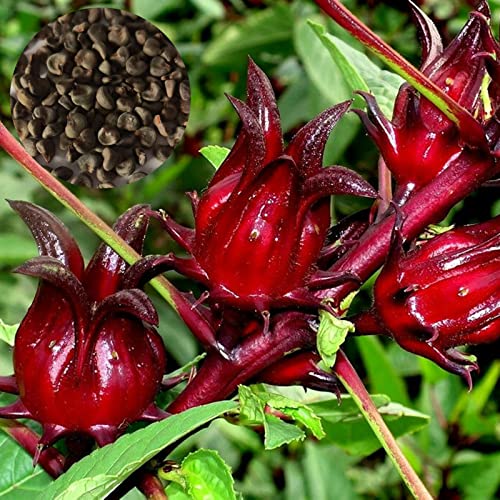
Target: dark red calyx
x,y
265,202
443,293
92,339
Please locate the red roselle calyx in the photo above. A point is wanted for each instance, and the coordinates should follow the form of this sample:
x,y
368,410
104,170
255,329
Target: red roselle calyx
x,y
421,141
441,294
261,224
87,358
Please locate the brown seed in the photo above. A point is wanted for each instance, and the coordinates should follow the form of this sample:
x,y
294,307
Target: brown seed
x,y
169,52
141,36
26,99
104,98
64,142
19,111
162,152
179,62
51,99
160,126
86,58
83,95
37,86
22,129
141,156
135,66
137,176
94,15
120,56
64,85
108,136
111,157
127,141
97,33
52,130
71,154
184,107
70,42
170,112
138,84
151,47
147,136
158,66
80,27
105,68
63,173
128,121
66,102
85,141
106,185
112,118
46,148
46,114
176,75
30,146
101,49
119,35
81,74
170,88
104,175
125,167
124,104
76,122
153,92
84,180
184,90
144,114
56,63
35,128
89,162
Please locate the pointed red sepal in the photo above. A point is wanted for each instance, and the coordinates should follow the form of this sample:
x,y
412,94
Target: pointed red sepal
x,y
153,414
335,180
184,236
367,323
15,410
151,266
103,273
261,100
9,385
307,146
235,160
326,279
256,146
51,235
429,36
105,434
56,273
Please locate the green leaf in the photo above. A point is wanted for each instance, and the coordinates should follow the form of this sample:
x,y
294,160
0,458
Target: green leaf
x,y
8,332
332,333
15,249
267,31
253,403
215,154
359,72
119,460
18,479
278,433
381,373
207,476
211,8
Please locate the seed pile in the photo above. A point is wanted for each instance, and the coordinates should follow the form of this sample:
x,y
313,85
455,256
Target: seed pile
x,y
100,97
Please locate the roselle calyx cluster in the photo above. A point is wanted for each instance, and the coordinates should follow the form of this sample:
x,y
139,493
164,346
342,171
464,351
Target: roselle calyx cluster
x,y
441,294
420,141
87,358
261,224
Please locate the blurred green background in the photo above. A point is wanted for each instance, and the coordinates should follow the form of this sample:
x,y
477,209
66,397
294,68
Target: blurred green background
x,y
457,453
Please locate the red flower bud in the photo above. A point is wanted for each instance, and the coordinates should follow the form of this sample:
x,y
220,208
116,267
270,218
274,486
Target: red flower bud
x,y
443,293
86,356
421,141
261,224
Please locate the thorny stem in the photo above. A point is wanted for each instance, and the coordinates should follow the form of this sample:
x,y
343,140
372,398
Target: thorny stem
x,y
355,387
50,459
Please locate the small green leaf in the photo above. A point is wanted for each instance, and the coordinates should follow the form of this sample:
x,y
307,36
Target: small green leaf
x,y
332,333
278,433
208,476
215,154
119,460
8,332
211,8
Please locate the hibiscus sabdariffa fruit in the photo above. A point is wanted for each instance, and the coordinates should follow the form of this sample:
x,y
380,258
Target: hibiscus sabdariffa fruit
x,y
87,358
443,293
261,224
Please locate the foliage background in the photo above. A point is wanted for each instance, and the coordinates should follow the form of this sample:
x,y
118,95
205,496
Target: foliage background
x,y
457,453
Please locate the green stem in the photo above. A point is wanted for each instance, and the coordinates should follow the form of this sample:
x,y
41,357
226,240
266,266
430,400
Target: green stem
x,y
351,381
80,210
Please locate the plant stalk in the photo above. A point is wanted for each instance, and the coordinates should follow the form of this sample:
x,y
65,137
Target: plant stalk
x,y
355,387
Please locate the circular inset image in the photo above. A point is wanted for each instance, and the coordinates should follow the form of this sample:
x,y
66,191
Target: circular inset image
x,y
100,97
